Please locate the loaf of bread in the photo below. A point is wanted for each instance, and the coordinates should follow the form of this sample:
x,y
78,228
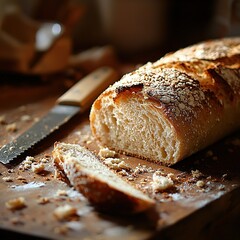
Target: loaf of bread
x,y
167,110
102,187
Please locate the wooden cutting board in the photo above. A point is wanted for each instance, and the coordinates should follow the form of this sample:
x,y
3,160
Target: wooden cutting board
x,y
203,204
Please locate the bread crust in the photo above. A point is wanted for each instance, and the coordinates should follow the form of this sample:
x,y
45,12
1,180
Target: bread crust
x,y
194,91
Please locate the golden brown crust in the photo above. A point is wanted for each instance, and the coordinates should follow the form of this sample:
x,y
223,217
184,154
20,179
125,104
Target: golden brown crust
x,y
196,90
225,50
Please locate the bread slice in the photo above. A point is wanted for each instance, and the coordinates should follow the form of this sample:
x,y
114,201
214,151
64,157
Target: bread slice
x,y
167,110
102,187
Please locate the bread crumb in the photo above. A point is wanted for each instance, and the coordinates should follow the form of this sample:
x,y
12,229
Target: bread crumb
x,y
200,183
105,152
43,200
142,169
15,204
123,172
64,212
30,158
16,221
36,119
27,163
3,119
196,173
21,178
25,118
130,179
44,160
161,183
170,175
61,229
38,168
116,164
12,127
61,193
7,179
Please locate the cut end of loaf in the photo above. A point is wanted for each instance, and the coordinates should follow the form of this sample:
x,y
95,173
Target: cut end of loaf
x,y
133,126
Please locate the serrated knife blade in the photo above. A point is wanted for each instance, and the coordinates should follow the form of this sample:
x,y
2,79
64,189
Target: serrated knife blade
x,y
59,115
74,101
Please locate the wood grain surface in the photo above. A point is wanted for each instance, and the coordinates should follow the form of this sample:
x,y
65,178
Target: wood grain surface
x,y
186,211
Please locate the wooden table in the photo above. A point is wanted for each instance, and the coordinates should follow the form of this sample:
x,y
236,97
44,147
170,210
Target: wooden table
x,y
186,211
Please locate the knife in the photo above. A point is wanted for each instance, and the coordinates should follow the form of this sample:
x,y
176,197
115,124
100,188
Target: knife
x,y
75,100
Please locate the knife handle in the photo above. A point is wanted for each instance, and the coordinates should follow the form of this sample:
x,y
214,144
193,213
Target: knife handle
x,y
88,88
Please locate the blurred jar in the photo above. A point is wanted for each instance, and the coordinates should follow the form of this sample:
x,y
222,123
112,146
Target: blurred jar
x,y
134,26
